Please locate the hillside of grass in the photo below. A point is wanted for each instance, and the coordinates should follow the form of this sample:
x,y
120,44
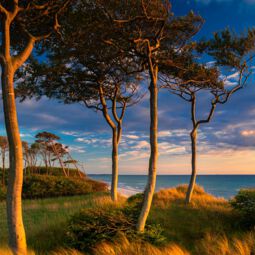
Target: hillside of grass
x,y
48,183
208,226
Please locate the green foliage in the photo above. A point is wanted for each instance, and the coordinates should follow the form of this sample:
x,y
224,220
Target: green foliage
x,y
55,171
244,203
42,186
39,186
90,227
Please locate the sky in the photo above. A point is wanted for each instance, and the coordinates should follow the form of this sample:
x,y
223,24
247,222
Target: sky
x,y
225,146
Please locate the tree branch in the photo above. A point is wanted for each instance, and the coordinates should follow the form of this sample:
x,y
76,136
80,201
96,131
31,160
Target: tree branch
x,y
213,106
3,11
105,110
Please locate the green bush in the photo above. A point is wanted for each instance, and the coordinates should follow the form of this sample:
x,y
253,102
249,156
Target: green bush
x,y
244,203
42,186
55,171
39,186
89,227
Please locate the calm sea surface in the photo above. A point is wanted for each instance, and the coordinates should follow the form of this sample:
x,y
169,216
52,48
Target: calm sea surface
x,y
219,185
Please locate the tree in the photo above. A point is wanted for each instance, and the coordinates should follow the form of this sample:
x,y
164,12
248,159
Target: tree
x,y
149,30
4,148
49,148
142,33
30,155
194,79
23,23
93,73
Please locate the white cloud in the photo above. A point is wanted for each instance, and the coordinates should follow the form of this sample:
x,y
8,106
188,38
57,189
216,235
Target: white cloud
x,y
142,145
132,136
77,149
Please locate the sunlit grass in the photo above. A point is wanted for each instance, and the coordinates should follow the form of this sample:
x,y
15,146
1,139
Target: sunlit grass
x,y
121,246
207,226
45,219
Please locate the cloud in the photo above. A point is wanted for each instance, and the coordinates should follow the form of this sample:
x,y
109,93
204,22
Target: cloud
x,y
131,136
77,149
141,145
248,133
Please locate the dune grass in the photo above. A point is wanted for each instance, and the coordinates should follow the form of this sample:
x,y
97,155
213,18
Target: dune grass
x,y
207,226
45,219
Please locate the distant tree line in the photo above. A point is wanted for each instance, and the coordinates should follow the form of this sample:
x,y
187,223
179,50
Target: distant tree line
x,y
101,55
46,151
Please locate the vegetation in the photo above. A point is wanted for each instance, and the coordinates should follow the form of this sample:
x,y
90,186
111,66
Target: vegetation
x,y
101,56
244,203
207,226
43,185
22,25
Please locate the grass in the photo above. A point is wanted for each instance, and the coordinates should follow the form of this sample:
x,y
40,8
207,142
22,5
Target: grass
x,y
207,226
45,219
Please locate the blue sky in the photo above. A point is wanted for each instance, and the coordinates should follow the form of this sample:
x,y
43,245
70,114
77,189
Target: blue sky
x,y
226,145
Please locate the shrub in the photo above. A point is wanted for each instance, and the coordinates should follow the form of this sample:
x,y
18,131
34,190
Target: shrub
x,y
39,186
55,171
244,203
97,185
90,227
42,186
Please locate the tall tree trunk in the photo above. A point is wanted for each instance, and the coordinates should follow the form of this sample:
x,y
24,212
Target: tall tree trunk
x,y
17,237
3,168
115,167
193,136
149,190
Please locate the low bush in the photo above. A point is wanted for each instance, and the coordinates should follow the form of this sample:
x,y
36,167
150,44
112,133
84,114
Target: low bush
x,y
39,186
42,186
244,203
55,171
90,227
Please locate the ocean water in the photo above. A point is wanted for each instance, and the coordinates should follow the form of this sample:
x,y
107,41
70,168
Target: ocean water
x,y
218,185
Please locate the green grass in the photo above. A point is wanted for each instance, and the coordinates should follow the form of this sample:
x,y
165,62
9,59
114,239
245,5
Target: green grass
x,y
208,226
45,219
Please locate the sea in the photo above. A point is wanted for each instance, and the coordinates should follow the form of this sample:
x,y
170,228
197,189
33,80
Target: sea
x,y
225,186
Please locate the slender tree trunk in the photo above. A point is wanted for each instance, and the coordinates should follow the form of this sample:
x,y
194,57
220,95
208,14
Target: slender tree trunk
x,y
193,136
115,167
149,190
17,237
3,162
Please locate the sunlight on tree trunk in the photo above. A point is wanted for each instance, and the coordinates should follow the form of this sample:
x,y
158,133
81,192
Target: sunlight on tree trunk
x,y
193,136
149,190
17,237
115,167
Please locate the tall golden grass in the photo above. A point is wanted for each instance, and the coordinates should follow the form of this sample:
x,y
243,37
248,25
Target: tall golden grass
x,y
221,245
165,197
122,246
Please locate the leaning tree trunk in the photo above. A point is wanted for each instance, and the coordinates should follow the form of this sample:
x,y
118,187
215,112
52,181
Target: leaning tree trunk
x,y
17,237
115,166
149,190
193,136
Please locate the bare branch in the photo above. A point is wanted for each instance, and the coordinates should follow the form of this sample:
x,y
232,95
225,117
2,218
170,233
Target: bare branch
x,y
213,106
105,110
3,11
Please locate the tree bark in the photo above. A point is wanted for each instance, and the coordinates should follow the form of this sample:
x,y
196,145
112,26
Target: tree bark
x,y
115,166
3,169
17,237
193,136
150,187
